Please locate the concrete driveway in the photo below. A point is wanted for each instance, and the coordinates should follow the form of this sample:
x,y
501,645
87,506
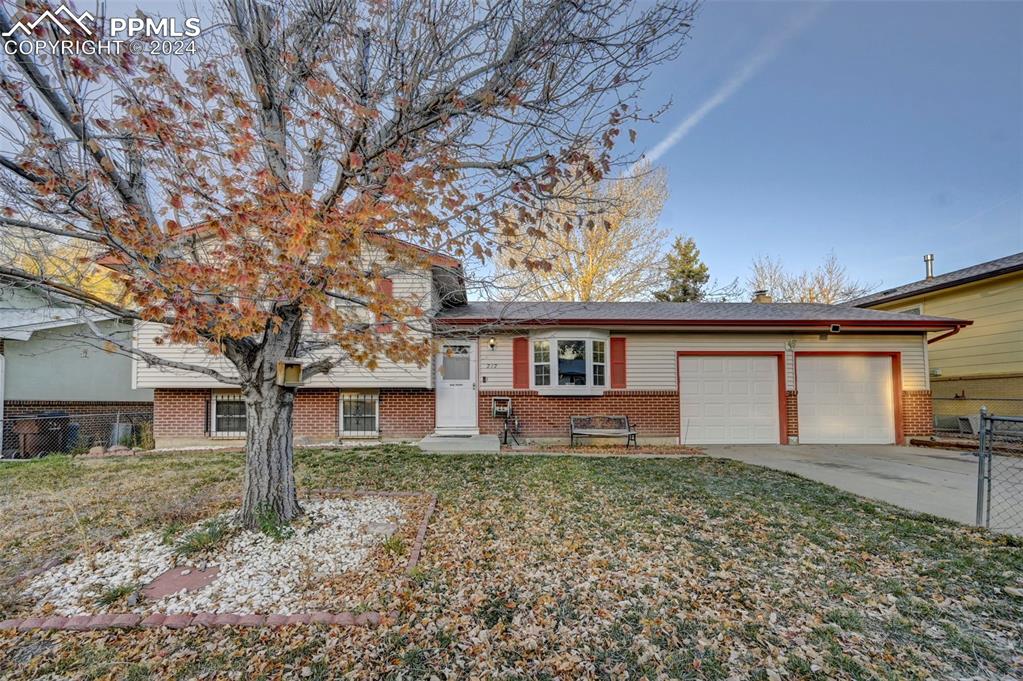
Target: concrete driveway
x,y
935,481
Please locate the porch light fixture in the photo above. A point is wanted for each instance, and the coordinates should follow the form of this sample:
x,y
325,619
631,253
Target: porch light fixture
x,y
492,342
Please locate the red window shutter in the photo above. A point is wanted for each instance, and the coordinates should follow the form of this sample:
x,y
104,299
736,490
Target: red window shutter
x,y
618,363
386,288
520,363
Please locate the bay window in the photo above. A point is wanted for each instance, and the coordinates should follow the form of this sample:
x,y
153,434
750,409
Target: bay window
x,y
598,363
570,362
541,363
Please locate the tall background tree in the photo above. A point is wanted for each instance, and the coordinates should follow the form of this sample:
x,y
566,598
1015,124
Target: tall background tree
x,y
58,260
827,283
686,275
260,187
599,241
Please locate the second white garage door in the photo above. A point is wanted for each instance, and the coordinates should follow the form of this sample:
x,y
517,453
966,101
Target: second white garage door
x,y
845,399
729,399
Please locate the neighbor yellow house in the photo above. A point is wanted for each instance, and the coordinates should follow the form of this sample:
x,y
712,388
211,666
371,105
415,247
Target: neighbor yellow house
x,y
982,363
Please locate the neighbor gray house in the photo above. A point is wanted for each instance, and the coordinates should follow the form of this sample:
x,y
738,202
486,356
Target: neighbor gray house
x,y
49,366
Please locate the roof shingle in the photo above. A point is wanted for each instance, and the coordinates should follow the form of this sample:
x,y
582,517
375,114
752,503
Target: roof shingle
x,y
799,314
984,270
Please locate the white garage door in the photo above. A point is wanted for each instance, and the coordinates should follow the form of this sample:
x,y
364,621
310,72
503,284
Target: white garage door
x,y
845,399
728,399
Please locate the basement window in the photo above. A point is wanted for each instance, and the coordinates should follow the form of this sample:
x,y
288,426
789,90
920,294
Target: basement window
x,y
228,415
360,414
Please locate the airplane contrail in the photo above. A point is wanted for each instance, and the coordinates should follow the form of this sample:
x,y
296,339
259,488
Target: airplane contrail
x,y
768,50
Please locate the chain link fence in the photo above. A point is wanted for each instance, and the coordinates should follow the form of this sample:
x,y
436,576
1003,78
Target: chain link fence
x,y
58,432
958,418
1000,472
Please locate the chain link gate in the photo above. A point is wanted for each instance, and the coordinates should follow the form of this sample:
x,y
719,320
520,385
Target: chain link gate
x,y
1000,473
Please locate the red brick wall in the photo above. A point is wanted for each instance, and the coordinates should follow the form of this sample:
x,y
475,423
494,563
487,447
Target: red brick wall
x,y
316,413
27,407
792,413
180,413
406,412
917,413
655,412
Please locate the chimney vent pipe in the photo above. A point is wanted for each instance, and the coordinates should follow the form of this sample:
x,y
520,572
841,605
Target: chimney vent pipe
x,y
929,264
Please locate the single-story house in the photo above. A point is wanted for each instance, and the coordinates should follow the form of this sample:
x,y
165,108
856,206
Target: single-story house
x,y
693,373
982,364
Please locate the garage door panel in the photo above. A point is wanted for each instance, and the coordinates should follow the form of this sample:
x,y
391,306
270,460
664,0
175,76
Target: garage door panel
x,y
736,388
729,399
715,410
711,388
845,399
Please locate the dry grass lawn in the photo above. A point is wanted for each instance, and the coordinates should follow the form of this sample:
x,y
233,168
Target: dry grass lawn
x,y
555,567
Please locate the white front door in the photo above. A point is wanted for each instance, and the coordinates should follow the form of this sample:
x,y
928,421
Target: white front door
x,y
455,382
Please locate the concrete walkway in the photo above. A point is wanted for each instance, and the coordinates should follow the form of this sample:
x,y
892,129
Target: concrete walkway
x,y
935,481
461,444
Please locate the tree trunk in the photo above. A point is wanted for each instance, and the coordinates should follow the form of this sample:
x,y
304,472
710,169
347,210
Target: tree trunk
x,y
269,456
269,485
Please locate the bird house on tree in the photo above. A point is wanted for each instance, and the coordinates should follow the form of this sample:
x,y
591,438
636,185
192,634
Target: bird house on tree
x,y
289,373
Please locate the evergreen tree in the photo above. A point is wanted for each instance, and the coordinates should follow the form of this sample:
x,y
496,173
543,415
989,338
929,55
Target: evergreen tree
x,y
686,274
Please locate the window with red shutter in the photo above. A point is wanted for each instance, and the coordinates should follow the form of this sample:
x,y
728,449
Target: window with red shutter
x,y
520,363
618,363
386,288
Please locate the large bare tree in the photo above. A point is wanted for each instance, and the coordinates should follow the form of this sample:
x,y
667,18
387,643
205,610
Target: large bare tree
x,y
235,193
827,283
600,241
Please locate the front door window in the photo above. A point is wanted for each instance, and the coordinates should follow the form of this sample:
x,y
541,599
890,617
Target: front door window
x,y
455,363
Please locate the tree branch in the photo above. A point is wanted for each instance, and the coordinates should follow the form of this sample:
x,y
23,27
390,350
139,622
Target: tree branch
x,y
12,222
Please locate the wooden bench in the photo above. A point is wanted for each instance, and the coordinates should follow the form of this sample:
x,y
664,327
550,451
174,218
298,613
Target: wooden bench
x,y
603,426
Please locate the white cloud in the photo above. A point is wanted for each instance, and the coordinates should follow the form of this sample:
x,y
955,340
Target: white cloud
x,y
771,46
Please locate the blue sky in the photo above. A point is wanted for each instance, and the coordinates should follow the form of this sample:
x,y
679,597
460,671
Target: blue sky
x,y
881,130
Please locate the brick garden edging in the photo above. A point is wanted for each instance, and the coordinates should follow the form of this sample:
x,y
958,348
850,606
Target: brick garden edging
x,y
213,619
206,619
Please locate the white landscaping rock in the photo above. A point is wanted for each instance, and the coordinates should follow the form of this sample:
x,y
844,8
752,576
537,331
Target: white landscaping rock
x,y
257,573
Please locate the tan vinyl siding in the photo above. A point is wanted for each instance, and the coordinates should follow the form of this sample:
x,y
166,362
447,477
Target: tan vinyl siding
x,y
496,364
993,345
413,286
650,357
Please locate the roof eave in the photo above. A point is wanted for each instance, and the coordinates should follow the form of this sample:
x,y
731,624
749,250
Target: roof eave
x,y
917,326
939,286
25,331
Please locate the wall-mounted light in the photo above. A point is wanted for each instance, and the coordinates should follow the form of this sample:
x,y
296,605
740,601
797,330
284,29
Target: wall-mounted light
x,y
492,342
